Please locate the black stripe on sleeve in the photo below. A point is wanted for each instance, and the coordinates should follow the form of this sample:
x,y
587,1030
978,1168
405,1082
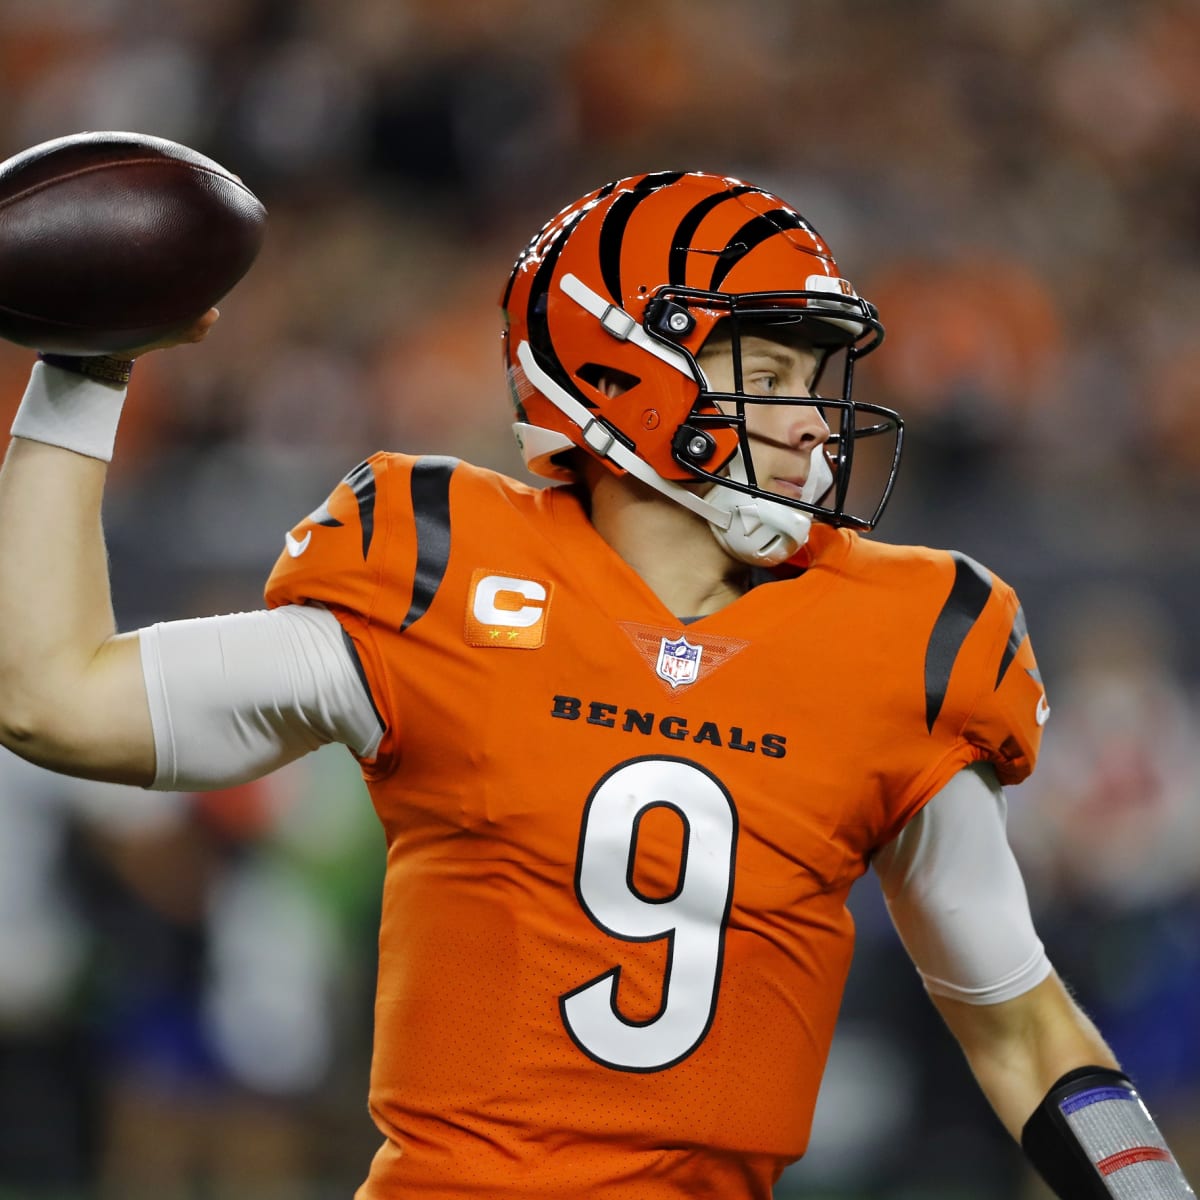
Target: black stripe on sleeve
x,y
431,515
969,593
1016,635
360,671
361,482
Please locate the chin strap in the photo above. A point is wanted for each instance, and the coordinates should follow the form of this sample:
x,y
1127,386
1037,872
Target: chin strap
x,y
761,532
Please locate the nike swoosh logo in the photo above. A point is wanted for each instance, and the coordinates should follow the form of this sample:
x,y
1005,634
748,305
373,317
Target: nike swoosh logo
x,y
1043,711
296,547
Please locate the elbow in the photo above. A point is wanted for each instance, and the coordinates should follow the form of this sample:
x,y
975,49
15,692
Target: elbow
x,y
36,728
26,733
19,718
91,724
49,744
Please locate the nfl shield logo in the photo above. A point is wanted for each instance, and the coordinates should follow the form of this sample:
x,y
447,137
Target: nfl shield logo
x,y
678,662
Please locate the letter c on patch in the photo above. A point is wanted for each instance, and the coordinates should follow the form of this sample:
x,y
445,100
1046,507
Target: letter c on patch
x,y
510,603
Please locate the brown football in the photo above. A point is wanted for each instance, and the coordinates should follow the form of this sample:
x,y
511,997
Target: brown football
x,y
110,241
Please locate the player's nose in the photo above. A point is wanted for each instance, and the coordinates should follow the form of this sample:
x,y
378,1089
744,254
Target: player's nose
x,y
803,427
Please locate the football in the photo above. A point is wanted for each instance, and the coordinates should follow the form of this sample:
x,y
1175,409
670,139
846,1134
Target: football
x,y
110,241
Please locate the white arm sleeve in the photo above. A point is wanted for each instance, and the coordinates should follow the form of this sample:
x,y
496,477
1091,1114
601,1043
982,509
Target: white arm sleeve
x,y
957,898
234,697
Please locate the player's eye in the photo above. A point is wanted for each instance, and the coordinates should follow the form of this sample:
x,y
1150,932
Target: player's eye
x,y
762,383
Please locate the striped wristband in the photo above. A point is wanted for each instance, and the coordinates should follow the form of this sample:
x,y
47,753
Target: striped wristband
x,y
1092,1138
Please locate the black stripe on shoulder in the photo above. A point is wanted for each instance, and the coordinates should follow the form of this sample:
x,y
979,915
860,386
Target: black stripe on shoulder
x,y
431,515
322,516
1016,635
361,481
968,594
360,671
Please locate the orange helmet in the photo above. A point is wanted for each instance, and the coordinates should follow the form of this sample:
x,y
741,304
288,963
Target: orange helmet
x,y
627,284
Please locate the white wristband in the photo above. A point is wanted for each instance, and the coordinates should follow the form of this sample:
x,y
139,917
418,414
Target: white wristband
x,y
64,409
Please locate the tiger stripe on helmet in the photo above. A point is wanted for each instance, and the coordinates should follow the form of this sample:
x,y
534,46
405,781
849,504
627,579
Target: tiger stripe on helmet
x,y
522,258
539,338
681,243
612,232
752,234
611,235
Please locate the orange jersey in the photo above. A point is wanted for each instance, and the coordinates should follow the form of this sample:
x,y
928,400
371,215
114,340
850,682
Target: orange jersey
x,y
614,935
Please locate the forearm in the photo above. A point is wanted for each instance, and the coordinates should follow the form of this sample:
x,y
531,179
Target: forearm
x,y
55,605
1018,1050
1058,1090
55,602
70,692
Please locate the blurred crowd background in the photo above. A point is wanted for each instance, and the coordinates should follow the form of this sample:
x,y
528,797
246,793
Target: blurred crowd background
x,y
185,981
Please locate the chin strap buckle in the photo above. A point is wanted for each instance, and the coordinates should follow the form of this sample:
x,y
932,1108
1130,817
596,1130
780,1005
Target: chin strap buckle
x,y
598,437
618,322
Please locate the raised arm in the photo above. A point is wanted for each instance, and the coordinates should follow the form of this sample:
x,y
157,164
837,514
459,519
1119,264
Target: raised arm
x,y
72,696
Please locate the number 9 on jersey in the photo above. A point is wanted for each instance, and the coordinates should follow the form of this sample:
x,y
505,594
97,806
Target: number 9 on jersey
x,y
693,917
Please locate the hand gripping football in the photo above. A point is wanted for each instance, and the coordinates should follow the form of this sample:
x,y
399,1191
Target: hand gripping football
x,y
110,241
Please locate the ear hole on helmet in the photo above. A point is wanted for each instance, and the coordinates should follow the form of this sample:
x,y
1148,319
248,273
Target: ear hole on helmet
x,y
610,380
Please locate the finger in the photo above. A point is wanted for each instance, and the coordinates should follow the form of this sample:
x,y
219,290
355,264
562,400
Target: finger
x,y
203,325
